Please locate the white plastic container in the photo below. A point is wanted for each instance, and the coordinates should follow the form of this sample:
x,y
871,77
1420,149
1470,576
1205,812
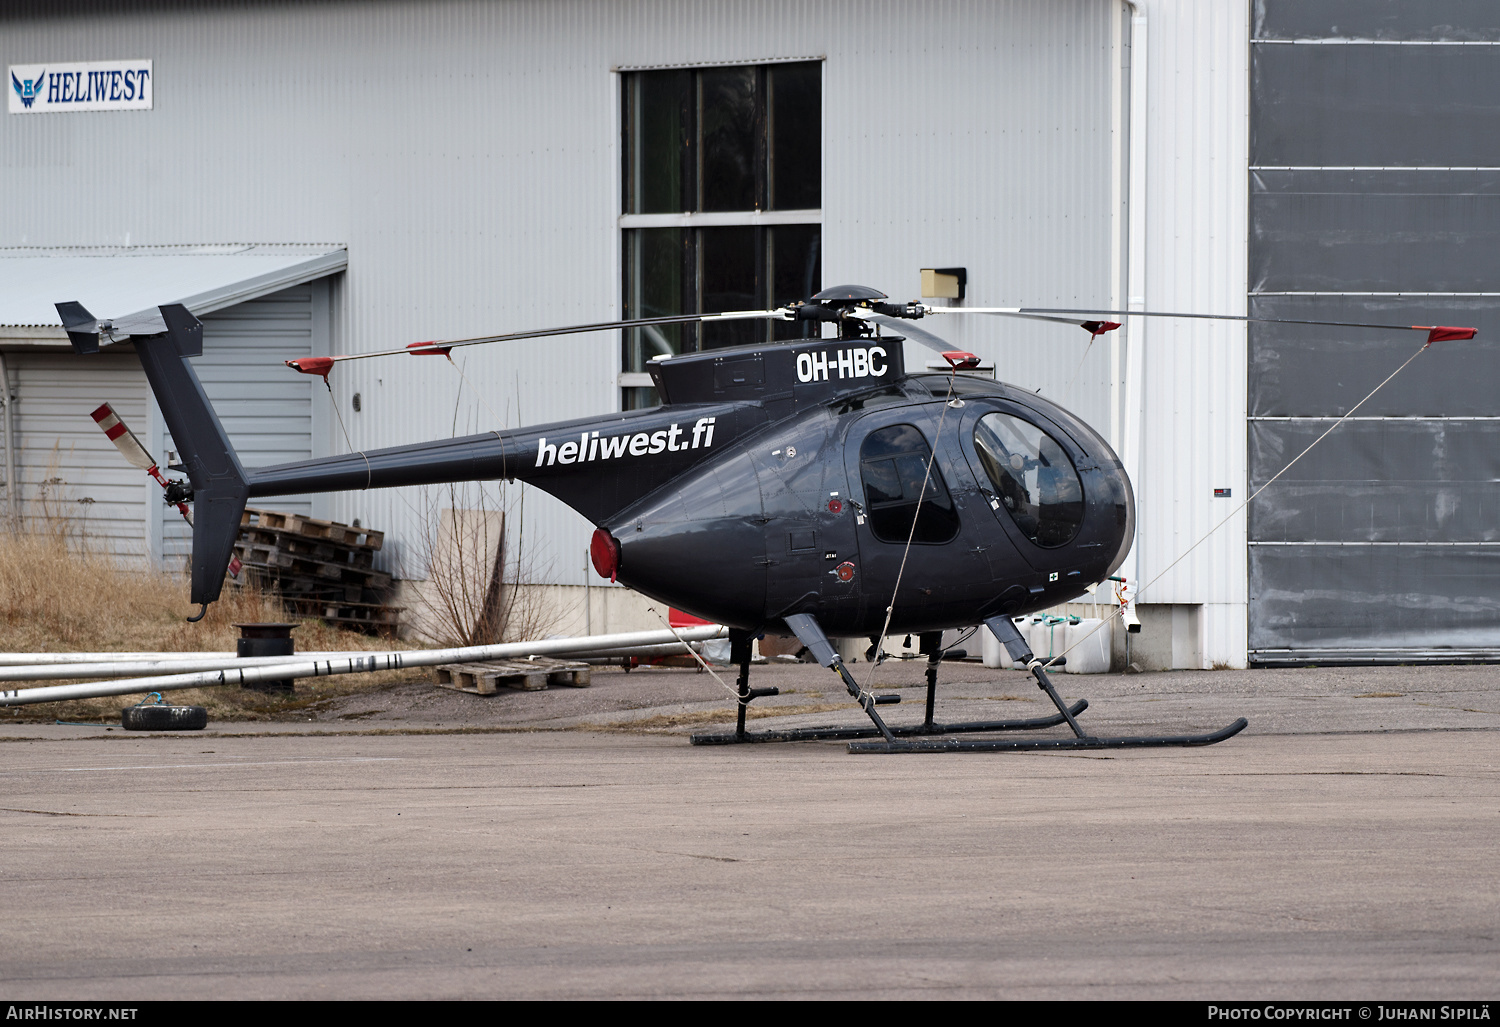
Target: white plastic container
x,y
1088,653
1046,640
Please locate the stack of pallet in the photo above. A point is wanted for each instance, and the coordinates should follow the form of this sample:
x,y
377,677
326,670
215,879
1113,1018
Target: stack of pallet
x,y
318,568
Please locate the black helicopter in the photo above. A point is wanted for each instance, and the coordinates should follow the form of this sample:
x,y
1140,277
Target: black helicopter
x,y
815,483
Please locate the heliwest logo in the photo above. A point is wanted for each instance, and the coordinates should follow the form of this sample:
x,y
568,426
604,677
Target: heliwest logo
x,y
590,446
26,90
81,86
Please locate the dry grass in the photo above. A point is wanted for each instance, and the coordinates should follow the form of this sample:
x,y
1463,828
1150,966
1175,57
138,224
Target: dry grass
x,y
59,596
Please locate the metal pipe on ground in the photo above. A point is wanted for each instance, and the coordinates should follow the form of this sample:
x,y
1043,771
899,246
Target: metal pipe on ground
x,y
363,663
57,659
139,668
186,664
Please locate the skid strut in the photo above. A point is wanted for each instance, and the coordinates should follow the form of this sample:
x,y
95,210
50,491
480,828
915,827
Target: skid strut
x,y
1021,653
928,736
931,645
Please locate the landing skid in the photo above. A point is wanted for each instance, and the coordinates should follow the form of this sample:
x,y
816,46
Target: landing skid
x,y
811,734
920,737
1034,744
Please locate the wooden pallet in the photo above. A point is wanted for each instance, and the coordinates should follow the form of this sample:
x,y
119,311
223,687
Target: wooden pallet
x,y
371,618
286,565
312,527
526,675
278,541
318,568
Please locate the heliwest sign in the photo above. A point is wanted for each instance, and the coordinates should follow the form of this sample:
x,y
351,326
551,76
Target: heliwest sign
x,y
81,86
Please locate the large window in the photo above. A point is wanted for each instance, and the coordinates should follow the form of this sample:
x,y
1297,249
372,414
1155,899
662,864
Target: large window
x,y
721,206
893,464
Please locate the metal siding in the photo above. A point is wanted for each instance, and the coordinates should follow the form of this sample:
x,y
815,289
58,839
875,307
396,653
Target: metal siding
x,y
467,153
71,475
1195,373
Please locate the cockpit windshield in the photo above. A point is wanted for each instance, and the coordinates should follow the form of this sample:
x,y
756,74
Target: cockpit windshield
x,y
1032,476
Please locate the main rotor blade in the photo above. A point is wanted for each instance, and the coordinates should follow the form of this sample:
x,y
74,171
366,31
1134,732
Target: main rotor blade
x,y
322,365
1435,333
912,332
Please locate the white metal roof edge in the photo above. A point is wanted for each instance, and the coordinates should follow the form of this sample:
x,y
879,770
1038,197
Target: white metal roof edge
x,y
260,285
313,268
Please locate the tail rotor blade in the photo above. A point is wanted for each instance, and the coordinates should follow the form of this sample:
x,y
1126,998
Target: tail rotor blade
x,y
124,439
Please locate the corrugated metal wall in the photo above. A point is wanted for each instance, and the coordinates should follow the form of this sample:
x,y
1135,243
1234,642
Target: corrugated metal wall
x,y
72,478
1191,210
468,155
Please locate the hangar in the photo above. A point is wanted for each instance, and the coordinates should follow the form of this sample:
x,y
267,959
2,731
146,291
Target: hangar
x,y
337,177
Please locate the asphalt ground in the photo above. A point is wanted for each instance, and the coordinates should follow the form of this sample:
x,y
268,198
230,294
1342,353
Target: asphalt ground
x,y
422,843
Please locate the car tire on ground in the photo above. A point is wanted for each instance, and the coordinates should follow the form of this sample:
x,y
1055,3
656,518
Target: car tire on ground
x,y
164,718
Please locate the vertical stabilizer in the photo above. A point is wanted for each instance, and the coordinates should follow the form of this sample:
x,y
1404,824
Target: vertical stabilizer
x,y
218,480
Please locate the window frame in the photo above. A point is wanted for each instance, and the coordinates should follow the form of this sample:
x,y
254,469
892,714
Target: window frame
x,y
635,386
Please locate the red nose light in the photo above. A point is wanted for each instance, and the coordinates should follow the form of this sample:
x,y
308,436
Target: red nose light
x,y
604,550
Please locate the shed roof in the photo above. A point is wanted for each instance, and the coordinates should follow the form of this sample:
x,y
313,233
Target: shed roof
x,y
128,283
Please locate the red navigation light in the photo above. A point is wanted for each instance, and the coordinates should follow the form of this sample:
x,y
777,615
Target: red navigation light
x,y
604,550
961,361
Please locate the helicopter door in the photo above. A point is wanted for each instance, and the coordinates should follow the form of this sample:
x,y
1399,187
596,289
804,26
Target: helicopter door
x,y
887,456
1027,476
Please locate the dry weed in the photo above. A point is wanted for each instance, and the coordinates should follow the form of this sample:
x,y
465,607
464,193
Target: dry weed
x,y
57,595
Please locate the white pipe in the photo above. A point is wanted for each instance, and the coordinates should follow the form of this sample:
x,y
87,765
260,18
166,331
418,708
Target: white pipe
x,y
43,660
12,487
1133,402
184,663
137,668
363,663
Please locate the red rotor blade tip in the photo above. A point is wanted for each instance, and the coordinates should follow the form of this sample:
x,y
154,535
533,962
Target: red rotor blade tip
x,y
961,360
428,349
1098,328
319,366
1445,333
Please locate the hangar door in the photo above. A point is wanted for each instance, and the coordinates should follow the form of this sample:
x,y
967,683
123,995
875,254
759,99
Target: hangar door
x,y
1375,196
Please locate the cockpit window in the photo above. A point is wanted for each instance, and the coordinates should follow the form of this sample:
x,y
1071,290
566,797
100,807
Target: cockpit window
x,y
1033,478
893,462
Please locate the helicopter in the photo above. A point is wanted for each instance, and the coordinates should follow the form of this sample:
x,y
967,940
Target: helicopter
x,y
816,483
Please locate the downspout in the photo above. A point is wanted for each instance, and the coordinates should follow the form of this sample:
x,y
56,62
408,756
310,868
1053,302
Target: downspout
x,y
1131,384
12,503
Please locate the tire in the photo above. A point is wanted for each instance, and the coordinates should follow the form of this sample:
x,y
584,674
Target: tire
x,y
164,718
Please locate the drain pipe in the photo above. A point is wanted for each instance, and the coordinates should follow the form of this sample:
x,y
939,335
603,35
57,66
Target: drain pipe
x,y
12,503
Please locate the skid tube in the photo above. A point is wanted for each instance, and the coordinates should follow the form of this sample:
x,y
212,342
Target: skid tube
x,y
931,645
1021,653
834,733
1037,744
925,737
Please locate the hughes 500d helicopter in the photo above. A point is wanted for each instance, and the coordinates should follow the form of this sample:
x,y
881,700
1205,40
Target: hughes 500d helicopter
x,y
814,483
